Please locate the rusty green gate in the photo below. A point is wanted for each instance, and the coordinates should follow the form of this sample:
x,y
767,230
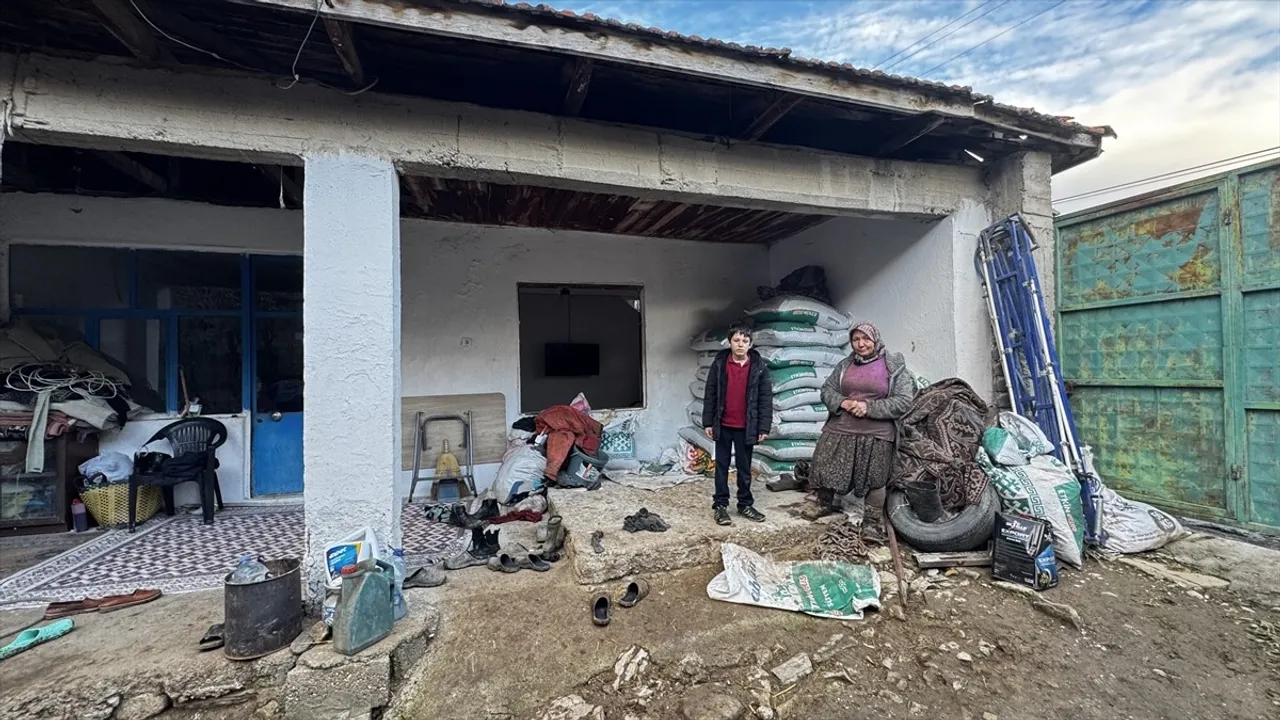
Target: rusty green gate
x,y
1169,334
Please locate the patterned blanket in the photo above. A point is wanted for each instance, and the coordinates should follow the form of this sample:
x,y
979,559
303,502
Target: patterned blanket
x,y
938,439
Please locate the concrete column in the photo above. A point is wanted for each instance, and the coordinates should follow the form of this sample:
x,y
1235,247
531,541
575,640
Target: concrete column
x,y
1022,183
973,338
351,353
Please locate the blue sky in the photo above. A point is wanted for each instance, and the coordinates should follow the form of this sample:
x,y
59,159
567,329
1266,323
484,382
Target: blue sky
x,y
1183,83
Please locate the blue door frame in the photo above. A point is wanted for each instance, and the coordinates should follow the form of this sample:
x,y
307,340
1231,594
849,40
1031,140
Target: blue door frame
x,y
275,436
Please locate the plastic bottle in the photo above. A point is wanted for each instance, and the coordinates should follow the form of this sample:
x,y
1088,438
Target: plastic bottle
x,y
248,571
399,606
79,520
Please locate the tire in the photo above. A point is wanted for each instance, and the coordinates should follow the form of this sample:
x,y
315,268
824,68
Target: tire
x,y
969,530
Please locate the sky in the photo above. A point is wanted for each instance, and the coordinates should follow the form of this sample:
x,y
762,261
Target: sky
x,y
1182,83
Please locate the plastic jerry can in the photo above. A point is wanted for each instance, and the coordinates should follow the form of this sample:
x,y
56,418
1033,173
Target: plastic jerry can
x,y
363,615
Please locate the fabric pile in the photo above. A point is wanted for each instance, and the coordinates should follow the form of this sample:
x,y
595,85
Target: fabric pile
x,y
939,438
644,520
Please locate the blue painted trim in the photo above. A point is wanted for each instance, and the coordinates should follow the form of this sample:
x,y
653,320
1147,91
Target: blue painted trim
x,y
141,314
248,346
92,331
172,390
277,314
131,268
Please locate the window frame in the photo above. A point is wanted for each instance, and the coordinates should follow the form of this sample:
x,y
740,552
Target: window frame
x,y
247,312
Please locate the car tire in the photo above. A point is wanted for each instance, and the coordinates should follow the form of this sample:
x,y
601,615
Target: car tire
x,y
970,529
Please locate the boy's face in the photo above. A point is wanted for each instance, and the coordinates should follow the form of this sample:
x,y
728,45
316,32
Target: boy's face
x,y
739,344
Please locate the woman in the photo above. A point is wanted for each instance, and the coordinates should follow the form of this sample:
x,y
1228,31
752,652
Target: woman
x,y
865,394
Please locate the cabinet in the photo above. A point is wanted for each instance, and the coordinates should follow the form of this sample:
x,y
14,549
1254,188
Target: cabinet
x,y
40,502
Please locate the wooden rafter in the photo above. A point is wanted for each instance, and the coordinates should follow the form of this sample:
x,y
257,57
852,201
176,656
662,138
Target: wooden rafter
x,y
342,36
579,82
420,195
781,105
122,21
134,169
277,175
167,18
914,130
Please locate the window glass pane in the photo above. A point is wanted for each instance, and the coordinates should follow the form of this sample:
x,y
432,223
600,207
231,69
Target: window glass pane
x,y
279,366
47,276
189,280
140,346
209,358
277,283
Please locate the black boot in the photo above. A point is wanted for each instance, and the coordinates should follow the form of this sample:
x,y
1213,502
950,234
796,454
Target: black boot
x,y
925,500
872,528
488,509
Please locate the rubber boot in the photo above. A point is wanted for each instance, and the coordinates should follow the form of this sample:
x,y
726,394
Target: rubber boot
x,y
824,505
555,537
925,500
872,528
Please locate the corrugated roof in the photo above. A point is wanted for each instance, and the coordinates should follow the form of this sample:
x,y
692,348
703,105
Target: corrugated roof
x,y
785,56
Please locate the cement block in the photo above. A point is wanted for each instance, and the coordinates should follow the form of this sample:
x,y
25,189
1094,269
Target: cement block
x,y
346,691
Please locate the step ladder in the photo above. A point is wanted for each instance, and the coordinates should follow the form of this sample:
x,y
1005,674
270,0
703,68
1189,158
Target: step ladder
x,y
465,484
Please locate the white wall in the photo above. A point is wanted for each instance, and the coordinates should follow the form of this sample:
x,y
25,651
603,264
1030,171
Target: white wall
x,y
233,456
457,281
913,280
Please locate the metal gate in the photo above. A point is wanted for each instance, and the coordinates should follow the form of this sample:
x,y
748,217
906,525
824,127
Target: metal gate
x,y
1169,335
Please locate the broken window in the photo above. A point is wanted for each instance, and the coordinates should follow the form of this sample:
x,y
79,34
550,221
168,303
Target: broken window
x,y
581,339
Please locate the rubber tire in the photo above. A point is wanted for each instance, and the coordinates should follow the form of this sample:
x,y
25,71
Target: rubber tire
x,y
969,530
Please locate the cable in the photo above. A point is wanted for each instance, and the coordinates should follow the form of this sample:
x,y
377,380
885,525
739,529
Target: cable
x,y
993,37
1168,175
944,37
42,377
935,32
188,45
294,69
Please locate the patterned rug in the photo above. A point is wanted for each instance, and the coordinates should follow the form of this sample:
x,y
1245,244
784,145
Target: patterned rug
x,y
181,554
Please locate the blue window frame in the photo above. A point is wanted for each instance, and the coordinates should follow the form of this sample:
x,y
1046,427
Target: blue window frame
x,y
166,327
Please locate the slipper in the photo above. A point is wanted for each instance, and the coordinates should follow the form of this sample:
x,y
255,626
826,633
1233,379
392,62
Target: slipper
x,y
635,592
425,577
57,610
600,610
535,562
28,639
504,563
212,639
120,602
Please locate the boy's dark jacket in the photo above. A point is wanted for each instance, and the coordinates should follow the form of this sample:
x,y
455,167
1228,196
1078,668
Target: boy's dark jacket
x,y
759,395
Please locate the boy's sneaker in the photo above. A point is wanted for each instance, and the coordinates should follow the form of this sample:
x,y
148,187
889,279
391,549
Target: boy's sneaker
x,y
722,515
749,512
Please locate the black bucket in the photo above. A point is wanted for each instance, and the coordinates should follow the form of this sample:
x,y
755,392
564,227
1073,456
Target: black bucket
x,y
263,617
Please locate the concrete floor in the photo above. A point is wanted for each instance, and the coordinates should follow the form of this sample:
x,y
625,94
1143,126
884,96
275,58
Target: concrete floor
x,y
26,551
693,539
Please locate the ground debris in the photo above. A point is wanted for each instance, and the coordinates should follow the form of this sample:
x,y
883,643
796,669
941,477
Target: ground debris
x,y
1065,613
791,671
630,665
707,702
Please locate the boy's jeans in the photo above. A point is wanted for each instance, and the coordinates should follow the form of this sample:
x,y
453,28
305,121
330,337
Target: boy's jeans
x,y
734,439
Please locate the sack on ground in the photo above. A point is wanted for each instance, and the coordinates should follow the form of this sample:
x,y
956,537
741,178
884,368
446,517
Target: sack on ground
x,y
787,449
1002,447
1134,527
521,471
796,398
817,412
711,341
702,374
802,310
796,430
1045,489
821,588
698,388
795,334
784,357
766,467
792,378
1030,438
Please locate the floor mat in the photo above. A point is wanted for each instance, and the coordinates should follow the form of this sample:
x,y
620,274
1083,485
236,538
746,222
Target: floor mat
x,y
181,554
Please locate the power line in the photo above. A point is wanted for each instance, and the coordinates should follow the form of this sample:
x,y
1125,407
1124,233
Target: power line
x,y
935,32
944,37
1170,175
993,37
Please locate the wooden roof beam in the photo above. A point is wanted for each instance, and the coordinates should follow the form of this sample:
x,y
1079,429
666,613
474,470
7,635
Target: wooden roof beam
x,y
122,21
134,169
781,105
342,36
579,82
172,22
913,129
421,197
276,174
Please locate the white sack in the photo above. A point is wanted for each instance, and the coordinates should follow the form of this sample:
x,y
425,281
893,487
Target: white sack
x,y
802,310
819,587
793,334
782,357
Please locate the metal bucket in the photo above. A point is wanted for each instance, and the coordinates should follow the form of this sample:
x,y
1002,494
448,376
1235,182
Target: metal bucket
x,y
263,617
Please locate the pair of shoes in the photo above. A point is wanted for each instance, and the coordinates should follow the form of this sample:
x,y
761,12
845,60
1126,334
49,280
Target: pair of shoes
x,y
484,545
751,513
459,516
601,606
109,603
508,563
722,515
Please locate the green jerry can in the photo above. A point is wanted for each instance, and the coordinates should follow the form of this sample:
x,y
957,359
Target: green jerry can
x,y
364,612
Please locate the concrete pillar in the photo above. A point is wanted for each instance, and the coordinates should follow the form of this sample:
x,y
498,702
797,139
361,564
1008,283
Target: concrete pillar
x,y
973,337
1022,183
351,353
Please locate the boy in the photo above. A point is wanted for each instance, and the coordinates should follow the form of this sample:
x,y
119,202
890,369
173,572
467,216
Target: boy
x,y
737,412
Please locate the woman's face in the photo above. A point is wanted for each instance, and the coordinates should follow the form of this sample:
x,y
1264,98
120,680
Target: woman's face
x,y
862,344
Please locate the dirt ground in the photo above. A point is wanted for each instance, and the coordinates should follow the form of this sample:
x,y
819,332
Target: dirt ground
x,y
509,645
24,551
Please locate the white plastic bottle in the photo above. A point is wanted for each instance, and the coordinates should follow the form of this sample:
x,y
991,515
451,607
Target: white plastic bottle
x,y
248,571
399,606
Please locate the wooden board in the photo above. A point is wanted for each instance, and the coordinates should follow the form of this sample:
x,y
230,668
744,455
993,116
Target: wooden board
x,y
488,427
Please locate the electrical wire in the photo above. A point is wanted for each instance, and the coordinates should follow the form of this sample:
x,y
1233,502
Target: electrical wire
x,y
185,44
49,377
935,32
311,28
1171,174
993,37
944,37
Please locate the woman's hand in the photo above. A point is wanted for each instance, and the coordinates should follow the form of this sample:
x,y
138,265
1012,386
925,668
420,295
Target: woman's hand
x,y
859,408
848,405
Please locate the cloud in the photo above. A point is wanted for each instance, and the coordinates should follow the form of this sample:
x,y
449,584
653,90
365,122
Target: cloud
x,y
1183,83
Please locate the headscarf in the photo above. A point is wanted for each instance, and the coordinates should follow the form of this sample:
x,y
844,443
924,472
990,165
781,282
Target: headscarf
x,y
870,331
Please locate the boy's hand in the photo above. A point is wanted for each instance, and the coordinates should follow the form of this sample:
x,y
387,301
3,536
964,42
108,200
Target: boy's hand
x,y
761,438
710,433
